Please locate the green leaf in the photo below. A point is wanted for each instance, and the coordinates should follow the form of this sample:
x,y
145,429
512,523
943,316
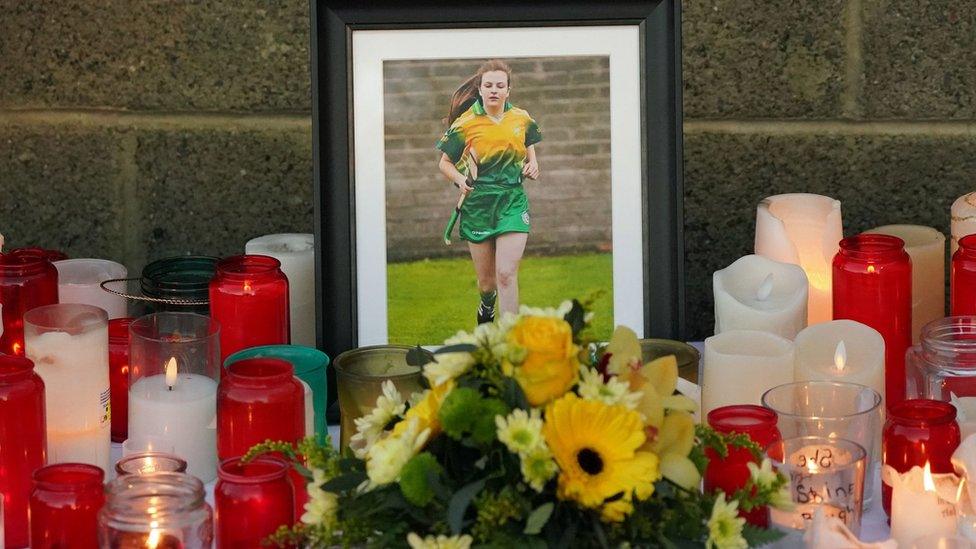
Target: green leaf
x,y
513,395
418,356
576,317
538,519
457,348
758,536
345,482
459,504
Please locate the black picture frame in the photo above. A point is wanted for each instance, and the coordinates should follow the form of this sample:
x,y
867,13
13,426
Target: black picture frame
x,y
333,22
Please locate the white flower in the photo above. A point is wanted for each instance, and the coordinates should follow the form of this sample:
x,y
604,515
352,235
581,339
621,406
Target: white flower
x,y
611,392
520,431
725,525
559,312
447,366
538,467
386,458
389,406
439,542
763,475
322,506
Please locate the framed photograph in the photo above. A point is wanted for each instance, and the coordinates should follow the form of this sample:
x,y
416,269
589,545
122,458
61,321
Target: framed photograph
x,y
471,159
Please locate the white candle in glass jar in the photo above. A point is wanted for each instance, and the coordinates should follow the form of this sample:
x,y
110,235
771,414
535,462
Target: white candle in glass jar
x,y
740,365
182,407
805,230
757,293
921,505
963,219
296,252
74,368
79,281
926,247
841,350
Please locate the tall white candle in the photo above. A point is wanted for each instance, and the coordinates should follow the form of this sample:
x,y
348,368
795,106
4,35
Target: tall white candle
x,y
79,282
920,505
841,350
757,293
926,247
309,408
296,252
74,367
740,365
806,230
963,219
183,409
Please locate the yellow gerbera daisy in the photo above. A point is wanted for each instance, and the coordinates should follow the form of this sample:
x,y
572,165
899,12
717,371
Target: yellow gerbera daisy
x,y
596,447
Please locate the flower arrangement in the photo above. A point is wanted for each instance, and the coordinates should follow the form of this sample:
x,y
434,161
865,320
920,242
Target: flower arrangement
x,y
530,436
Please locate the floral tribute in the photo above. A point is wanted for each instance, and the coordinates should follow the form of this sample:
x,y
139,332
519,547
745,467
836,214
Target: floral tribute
x,y
528,436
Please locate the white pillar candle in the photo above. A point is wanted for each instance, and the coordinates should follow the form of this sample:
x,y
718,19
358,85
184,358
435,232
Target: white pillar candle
x,y
963,219
926,247
79,282
806,230
757,293
921,505
296,252
182,407
740,365
309,408
841,350
69,346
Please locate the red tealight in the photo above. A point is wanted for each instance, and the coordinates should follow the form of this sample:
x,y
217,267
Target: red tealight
x,y
27,280
118,369
64,505
252,501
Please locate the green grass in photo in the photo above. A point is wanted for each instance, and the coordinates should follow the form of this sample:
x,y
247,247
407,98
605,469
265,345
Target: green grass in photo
x,y
431,299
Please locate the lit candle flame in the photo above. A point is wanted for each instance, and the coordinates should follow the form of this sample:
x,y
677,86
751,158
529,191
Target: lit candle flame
x,y
171,373
840,357
927,481
870,269
247,287
152,542
765,288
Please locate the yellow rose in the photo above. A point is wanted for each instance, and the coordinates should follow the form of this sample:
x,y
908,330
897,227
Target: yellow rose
x,y
551,364
427,410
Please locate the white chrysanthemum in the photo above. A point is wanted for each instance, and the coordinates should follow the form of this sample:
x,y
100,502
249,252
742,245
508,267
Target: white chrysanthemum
x,y
611,392
389,406
439,542
538,467
725,525
559,312
763,475
447,366
462,337
386,458
521,432
321,506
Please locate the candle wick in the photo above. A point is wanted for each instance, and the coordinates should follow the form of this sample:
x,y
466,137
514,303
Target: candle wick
x,y
170,387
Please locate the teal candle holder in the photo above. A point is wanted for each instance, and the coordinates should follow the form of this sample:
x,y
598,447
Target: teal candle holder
x,y
311,366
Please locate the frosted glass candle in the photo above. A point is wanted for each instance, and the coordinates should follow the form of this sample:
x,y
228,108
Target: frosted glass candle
x,y
79,282
174,369
963,219
757,293
926,247
296,252
805,230
69,346
740,365
841,350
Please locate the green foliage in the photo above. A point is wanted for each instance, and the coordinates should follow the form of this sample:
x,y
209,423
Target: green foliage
x,y
414,477
458,410
483,427
495,511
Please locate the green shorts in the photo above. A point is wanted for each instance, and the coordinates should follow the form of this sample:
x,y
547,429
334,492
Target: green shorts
x,y
492,209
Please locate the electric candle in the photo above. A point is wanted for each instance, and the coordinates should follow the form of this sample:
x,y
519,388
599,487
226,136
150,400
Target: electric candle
x,y
926,248
69,346
803,229
79,282
920,506
963,219
757,293
740,365
841,350
296,252
249,298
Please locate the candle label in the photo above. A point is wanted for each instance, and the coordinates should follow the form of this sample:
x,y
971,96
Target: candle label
x,y
105,401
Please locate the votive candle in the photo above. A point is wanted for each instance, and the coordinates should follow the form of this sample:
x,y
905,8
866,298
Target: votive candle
x,y
740,365
757,293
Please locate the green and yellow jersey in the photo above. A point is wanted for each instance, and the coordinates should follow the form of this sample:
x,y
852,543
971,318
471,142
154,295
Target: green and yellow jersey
x,y
499,146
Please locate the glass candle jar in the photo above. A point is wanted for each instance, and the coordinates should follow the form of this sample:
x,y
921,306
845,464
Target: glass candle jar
x,y
145,463
179,284
118,376
27,280
68,343
174,368
158,510
872,284
21,427
49,254
943,364
252,501
249,297
79,281
64,505
296,252
687,356
732,472
917,432
962,278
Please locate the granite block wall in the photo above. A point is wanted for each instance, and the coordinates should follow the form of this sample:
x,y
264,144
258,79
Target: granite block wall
x,y
133,130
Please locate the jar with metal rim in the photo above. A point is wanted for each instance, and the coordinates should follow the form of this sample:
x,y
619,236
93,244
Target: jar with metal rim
x,y
162,510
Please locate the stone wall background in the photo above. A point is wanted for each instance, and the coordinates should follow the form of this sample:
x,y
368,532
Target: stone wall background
x,y
135,130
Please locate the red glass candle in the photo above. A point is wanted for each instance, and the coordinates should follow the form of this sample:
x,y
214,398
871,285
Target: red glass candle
x,y
27,280
23,443
51,255
872,284
249,298
962,278
252,501
917,432
64,506
731,473
118,369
